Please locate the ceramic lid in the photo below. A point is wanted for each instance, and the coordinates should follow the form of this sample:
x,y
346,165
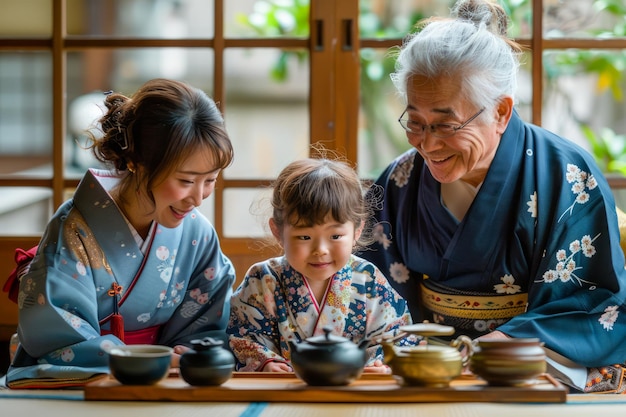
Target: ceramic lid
x,y
428,329
205,343
327,338
429,352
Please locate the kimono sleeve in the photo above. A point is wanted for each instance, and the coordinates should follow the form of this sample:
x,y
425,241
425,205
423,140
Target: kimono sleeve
x,y
577,297
253,327
58,306
387,312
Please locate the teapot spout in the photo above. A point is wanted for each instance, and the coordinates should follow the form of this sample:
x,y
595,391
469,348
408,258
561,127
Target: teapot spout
x,y
364,344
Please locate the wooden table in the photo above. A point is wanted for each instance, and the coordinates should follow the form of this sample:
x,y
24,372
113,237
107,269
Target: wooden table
x,y
72,403
286,387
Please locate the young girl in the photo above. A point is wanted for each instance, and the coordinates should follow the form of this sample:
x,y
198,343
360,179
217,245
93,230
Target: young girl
x,y
318,218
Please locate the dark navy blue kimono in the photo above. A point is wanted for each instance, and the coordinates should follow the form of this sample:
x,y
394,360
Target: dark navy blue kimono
x,y
536,255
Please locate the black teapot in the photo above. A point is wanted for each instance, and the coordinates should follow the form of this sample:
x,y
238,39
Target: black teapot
x,y
206,363
328,359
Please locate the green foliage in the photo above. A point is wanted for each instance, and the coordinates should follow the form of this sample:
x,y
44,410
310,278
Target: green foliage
x,y
291,17
608,148
272,18
278,17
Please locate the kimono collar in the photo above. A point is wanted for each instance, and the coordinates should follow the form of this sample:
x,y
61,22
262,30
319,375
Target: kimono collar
x,y
489,213
104,218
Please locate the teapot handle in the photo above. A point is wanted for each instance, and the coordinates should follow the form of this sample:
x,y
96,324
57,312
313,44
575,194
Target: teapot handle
x,y
467,348
388,339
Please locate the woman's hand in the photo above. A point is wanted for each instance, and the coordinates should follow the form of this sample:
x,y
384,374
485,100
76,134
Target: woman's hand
x,y
276,366
493,335
378,367
178,350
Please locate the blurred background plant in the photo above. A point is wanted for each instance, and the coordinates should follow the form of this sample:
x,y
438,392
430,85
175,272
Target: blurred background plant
x,y
381,20
607,66
608,148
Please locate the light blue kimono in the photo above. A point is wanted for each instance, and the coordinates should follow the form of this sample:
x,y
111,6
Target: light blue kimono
x,y
182,287
536,255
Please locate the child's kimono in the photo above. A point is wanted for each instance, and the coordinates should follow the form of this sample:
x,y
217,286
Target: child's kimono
x,y
87,262
274,304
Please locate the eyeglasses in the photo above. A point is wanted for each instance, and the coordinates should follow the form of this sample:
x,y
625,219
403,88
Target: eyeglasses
x,y
440,130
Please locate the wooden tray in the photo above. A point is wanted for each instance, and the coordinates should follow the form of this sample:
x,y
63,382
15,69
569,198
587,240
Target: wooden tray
x,y
370,388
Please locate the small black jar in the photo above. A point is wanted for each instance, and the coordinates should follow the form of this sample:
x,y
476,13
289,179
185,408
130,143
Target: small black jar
x,y
207,363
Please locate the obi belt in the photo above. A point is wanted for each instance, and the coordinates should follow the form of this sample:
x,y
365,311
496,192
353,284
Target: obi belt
x,y
470,313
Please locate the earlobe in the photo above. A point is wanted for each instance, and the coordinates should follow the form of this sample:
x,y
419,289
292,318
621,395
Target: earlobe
x,y
505,111
275,230
358,231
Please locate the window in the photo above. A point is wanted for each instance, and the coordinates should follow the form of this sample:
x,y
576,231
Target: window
x,y
285,74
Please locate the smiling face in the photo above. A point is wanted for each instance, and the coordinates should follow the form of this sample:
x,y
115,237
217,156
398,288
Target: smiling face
x,y
468,153
177,194
317,251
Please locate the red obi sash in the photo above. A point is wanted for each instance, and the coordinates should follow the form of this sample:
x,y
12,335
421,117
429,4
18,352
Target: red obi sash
x,y
147,336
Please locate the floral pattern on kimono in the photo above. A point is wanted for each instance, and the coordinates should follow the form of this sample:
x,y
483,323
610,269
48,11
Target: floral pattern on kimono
x,y
274,304
543,223
181,286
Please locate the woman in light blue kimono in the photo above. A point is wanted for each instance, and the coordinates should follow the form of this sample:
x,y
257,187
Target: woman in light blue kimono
x,y
318,217
130,259
492,225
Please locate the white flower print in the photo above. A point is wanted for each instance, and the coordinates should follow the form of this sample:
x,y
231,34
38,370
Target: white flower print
x,y
508,287
378,232
67,355
591,182
532,205
166,274
581,181
488,325
402,171
587,248
209,273
189,308
72,319
106,344
399,272
609,317
582,197
550,276
578,187
143,317
80,268
566,267
162,253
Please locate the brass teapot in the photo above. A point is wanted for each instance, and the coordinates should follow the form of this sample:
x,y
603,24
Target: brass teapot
x,y
431,363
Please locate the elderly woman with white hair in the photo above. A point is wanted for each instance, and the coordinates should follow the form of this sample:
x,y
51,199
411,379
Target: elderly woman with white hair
x,y
492,225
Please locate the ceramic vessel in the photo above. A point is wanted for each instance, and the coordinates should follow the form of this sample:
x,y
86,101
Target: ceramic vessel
x,y
140,364
208,363
428,364
509,362
328,359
